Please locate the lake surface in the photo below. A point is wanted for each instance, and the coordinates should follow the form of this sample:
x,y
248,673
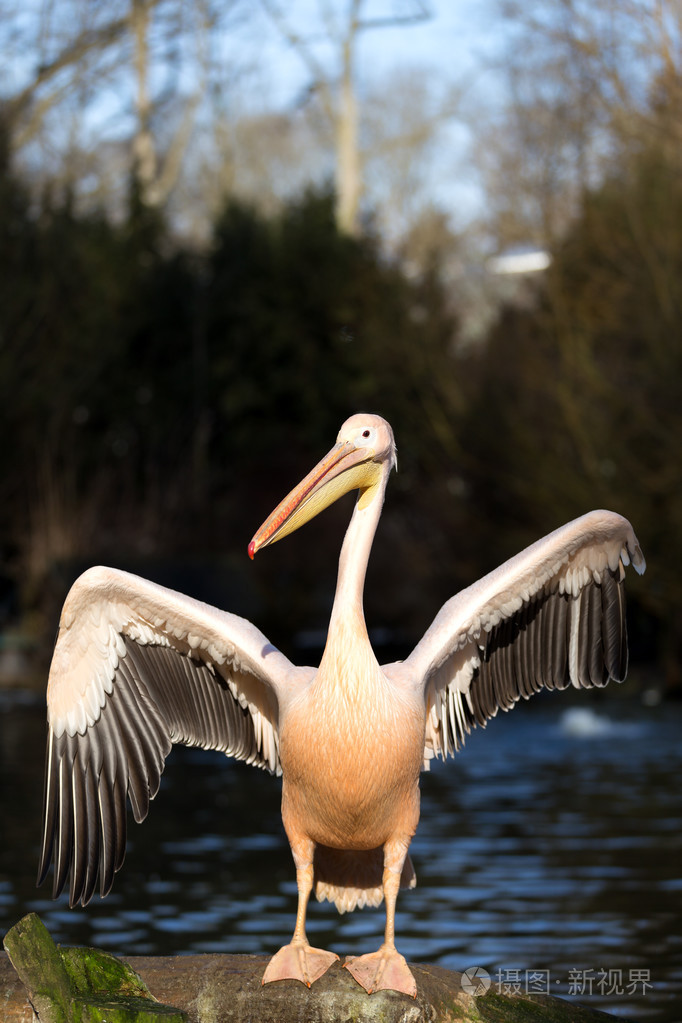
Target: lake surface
x,y
549,853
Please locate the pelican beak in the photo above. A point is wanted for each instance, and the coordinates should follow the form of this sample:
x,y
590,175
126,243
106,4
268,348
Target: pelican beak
x,y
346,467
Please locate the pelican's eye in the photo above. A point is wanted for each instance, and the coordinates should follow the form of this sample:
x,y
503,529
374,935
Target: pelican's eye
x,y
364,437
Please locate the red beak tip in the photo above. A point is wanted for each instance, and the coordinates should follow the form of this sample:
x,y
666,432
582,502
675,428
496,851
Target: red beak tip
x,y
252,549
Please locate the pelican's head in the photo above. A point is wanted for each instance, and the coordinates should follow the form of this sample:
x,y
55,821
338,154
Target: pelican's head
x,y
361,459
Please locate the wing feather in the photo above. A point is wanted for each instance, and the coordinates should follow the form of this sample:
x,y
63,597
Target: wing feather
x,y
551,617
80,823
137,668
65,818
94,825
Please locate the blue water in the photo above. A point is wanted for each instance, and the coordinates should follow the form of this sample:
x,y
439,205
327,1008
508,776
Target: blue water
x,y
549,853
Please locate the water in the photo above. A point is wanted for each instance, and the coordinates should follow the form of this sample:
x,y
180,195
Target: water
x,y
549,853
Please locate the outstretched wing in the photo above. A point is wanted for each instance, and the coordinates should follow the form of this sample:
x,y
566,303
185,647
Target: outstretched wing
x,y
136,668
551,617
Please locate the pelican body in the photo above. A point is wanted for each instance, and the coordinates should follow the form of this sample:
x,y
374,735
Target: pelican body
x,y
138,667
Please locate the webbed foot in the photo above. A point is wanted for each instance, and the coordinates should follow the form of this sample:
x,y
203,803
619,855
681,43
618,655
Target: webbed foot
x,y
298,961
385,969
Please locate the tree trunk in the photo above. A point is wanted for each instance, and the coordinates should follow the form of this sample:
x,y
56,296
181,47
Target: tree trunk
x,y
348,180
144,152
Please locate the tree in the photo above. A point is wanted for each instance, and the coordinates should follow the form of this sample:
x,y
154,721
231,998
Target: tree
x,y
141,383
580,80
337,87
93,65
579,397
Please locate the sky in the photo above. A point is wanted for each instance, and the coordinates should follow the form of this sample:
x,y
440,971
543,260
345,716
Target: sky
x,y
455,42
456,47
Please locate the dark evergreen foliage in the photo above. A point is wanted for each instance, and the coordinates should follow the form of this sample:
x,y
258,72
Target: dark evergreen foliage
x,y
158,402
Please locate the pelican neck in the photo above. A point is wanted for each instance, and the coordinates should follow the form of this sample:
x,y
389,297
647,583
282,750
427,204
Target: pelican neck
x,y
354,557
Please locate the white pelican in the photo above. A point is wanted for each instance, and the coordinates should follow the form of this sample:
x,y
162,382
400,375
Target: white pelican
x,y
138,667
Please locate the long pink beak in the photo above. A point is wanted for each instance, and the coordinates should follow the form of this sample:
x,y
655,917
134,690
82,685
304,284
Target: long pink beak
x,y
310,496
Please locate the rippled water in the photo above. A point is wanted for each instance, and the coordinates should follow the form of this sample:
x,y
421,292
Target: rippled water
x,y
549,853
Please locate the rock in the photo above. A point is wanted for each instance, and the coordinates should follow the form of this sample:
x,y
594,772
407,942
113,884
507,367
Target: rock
x,y
228,989
79,985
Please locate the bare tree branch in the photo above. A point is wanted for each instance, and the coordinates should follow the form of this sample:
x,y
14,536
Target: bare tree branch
x,y
337,89
302,48
87,42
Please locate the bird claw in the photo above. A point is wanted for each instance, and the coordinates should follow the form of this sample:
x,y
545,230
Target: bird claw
x,y
385,969
298,961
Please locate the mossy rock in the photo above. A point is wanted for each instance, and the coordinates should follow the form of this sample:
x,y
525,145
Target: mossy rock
x,y
77,985
498,1008
80,985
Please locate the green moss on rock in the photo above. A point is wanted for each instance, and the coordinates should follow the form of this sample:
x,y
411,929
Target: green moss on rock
x,y
80,985
498,1008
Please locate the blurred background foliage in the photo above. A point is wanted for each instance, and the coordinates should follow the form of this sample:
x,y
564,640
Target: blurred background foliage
x,y
191,303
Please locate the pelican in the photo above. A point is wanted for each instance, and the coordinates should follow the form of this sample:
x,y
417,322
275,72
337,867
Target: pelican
x,y
138,667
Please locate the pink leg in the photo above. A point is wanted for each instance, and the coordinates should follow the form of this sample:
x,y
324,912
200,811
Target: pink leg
x,y
386,968
298,960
